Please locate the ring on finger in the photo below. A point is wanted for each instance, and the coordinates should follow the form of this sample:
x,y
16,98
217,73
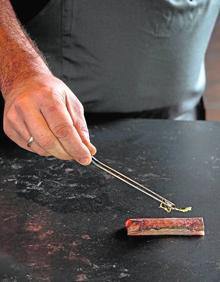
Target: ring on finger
x,y
30,141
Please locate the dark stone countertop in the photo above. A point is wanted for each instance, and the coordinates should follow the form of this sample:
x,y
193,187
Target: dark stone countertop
x,y
64,222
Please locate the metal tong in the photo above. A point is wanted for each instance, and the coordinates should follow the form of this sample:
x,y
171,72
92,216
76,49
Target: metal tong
x,y
165,204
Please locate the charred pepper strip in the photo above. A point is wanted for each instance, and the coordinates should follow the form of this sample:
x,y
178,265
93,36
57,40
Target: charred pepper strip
x,y
165,226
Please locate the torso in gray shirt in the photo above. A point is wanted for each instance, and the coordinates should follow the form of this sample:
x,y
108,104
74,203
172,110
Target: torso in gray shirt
x,y
125,56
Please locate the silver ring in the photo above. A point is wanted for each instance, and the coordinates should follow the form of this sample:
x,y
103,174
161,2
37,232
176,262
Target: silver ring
x,y
30,141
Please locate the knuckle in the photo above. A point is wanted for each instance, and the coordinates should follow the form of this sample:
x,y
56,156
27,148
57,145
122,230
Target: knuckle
x,y
82,127
20,102
81,108
45,89
46,143
63,130
10,116
52,109
49,102
78,107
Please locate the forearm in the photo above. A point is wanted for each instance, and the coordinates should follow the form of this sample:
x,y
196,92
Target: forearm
x,y
19,57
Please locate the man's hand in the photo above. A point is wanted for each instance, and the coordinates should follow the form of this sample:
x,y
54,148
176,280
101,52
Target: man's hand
x,y
37,103
42,106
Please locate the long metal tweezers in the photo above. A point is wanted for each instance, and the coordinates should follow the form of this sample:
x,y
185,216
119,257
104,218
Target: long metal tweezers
x,y
165,204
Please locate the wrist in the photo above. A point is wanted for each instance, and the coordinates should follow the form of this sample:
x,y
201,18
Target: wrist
x,y
22,76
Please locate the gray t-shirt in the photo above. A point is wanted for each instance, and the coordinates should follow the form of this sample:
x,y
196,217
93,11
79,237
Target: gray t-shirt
x,y
129,55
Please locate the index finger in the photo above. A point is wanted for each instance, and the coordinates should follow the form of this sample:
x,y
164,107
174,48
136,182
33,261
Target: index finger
x,y
60,123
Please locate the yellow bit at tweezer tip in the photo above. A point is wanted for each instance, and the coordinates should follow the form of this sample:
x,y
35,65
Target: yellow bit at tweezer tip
x,y
169,208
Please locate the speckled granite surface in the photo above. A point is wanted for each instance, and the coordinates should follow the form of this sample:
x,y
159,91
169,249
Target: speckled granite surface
x,y
64,222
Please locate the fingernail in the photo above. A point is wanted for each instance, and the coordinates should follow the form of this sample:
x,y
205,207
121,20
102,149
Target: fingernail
x,y
85,161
